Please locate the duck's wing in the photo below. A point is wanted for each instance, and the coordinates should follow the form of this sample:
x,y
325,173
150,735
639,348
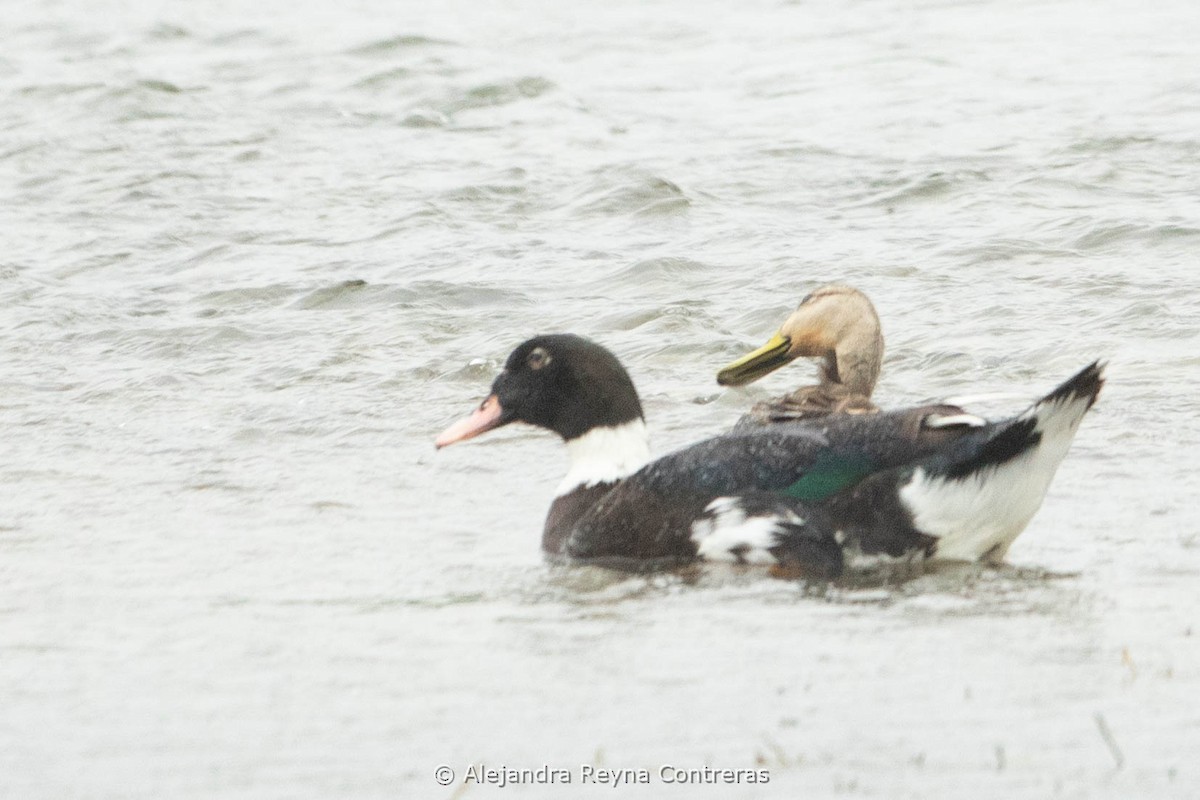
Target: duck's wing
x,y
749,494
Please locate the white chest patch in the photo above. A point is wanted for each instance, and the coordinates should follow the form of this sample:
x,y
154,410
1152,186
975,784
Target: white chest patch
x,y
605,455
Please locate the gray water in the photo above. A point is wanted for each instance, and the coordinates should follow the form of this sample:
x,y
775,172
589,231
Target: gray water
x,y
254,259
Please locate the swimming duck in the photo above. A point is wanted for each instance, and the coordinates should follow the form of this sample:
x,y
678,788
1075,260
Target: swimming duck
x,y
796,496
836,324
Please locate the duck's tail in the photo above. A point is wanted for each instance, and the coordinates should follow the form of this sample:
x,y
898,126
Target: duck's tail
x,y
979,496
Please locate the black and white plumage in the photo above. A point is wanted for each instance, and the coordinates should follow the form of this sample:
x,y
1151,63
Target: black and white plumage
x,y
972,499
932,481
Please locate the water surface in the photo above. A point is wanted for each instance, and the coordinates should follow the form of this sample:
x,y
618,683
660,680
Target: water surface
x,y
254,259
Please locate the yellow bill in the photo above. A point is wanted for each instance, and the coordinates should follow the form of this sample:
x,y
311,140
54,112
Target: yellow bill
x,y
749,368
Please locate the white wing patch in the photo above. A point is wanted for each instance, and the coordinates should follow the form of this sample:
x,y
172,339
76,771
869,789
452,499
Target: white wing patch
x,y
727,533
951,420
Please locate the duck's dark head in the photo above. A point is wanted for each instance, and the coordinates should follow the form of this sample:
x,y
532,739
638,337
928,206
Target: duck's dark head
x,y
560,382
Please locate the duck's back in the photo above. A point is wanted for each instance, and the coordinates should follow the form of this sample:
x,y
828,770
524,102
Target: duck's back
x,y
807,403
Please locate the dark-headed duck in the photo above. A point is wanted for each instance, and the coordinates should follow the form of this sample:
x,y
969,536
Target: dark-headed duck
x,y
931,482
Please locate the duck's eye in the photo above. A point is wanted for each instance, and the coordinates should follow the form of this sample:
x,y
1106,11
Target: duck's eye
x,y
538,358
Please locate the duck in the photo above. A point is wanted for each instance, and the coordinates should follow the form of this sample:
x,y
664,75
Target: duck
x,y
802,498
836,324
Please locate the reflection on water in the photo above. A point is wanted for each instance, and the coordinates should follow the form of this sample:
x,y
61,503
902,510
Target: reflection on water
x,y
949,588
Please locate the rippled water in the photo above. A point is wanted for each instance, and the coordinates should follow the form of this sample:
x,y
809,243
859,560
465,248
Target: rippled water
x,y
255,259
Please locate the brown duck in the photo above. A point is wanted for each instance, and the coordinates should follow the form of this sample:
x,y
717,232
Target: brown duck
x,y
836,324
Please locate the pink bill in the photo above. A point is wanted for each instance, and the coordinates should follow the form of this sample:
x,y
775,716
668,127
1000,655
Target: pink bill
x,y
482,419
